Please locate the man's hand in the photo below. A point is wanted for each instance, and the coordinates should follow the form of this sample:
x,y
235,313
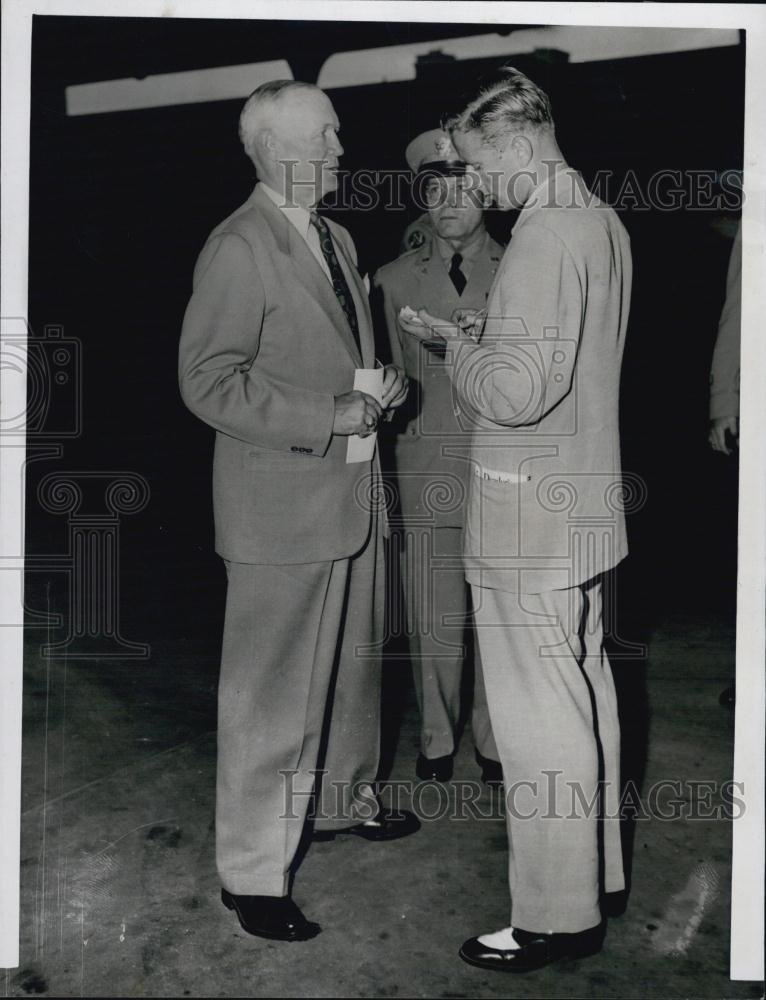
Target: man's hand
x,y
470,321
395,387
424,326
718,429
356,413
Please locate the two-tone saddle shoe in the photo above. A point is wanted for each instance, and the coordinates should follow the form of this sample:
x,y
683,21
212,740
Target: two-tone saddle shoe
x,y
534,950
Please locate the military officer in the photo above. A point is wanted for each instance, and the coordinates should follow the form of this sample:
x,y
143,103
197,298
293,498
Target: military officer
x,y
450,269
417,233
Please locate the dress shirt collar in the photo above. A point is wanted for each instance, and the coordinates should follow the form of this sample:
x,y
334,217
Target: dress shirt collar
x,y
298,216
468,253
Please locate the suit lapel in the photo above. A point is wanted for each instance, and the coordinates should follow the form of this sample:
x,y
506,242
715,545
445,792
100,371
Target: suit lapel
x,y
499,265
309,271
361,304
319,284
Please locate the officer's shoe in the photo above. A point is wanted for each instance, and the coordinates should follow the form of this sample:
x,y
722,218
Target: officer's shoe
x,y
491,770
535,950
389,824
434,768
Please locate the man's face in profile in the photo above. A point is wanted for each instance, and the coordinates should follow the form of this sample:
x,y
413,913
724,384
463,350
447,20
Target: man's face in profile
x,y
495,163
307,141
455,206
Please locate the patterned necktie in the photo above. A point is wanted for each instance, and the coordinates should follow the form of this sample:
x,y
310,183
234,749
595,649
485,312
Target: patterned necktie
x,y
338,281
458,278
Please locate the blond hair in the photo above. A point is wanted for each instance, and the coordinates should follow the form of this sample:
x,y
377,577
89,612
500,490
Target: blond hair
x,y
512,104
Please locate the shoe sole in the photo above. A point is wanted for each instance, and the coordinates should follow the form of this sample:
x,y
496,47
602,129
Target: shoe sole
x,y
393,834
325,837
315,928
519,969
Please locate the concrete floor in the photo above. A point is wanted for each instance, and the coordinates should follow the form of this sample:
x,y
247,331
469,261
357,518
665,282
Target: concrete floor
x,y
120,894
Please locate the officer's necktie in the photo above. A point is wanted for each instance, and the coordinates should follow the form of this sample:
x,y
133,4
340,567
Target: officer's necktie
x,y
338,281
458,278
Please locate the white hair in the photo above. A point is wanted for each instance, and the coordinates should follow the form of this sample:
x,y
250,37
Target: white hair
x,y
255,113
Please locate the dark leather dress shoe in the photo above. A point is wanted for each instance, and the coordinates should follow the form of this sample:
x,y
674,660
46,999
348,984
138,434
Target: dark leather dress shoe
x,y
534,951
387,825
275,917
434,768
491,770
614,904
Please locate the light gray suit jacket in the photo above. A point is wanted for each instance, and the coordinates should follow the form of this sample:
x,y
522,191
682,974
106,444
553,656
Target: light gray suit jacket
x,y
546,508
264,350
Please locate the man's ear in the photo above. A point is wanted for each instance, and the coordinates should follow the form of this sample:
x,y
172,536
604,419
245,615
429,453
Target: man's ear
x,y
265,145
522,149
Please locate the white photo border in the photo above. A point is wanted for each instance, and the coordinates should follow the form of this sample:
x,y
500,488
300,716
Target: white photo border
x,y
747,922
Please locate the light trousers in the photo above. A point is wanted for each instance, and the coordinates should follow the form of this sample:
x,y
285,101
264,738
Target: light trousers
x,y
553,707
299,690
436,597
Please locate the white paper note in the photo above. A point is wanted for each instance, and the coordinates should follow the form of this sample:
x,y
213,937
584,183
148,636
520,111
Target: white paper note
x,y
369,380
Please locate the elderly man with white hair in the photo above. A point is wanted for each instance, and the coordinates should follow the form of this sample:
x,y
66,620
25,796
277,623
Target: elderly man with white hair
x,y
276,328
545,520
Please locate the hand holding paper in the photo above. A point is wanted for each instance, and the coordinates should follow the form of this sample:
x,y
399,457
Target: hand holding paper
x,y
370,382
424,326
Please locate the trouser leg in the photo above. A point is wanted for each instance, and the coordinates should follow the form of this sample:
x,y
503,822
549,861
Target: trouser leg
x,y
541,708
436,598
481,724
352,739
599,674
280,637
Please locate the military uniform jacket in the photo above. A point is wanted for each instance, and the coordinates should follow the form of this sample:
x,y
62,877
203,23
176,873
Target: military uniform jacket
x,y
431,475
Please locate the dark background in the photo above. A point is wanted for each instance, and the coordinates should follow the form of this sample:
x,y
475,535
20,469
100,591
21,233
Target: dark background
x,y
120,205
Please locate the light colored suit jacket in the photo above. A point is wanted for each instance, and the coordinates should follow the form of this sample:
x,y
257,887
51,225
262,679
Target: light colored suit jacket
x,y
546,508
264,350
724,371
432,485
